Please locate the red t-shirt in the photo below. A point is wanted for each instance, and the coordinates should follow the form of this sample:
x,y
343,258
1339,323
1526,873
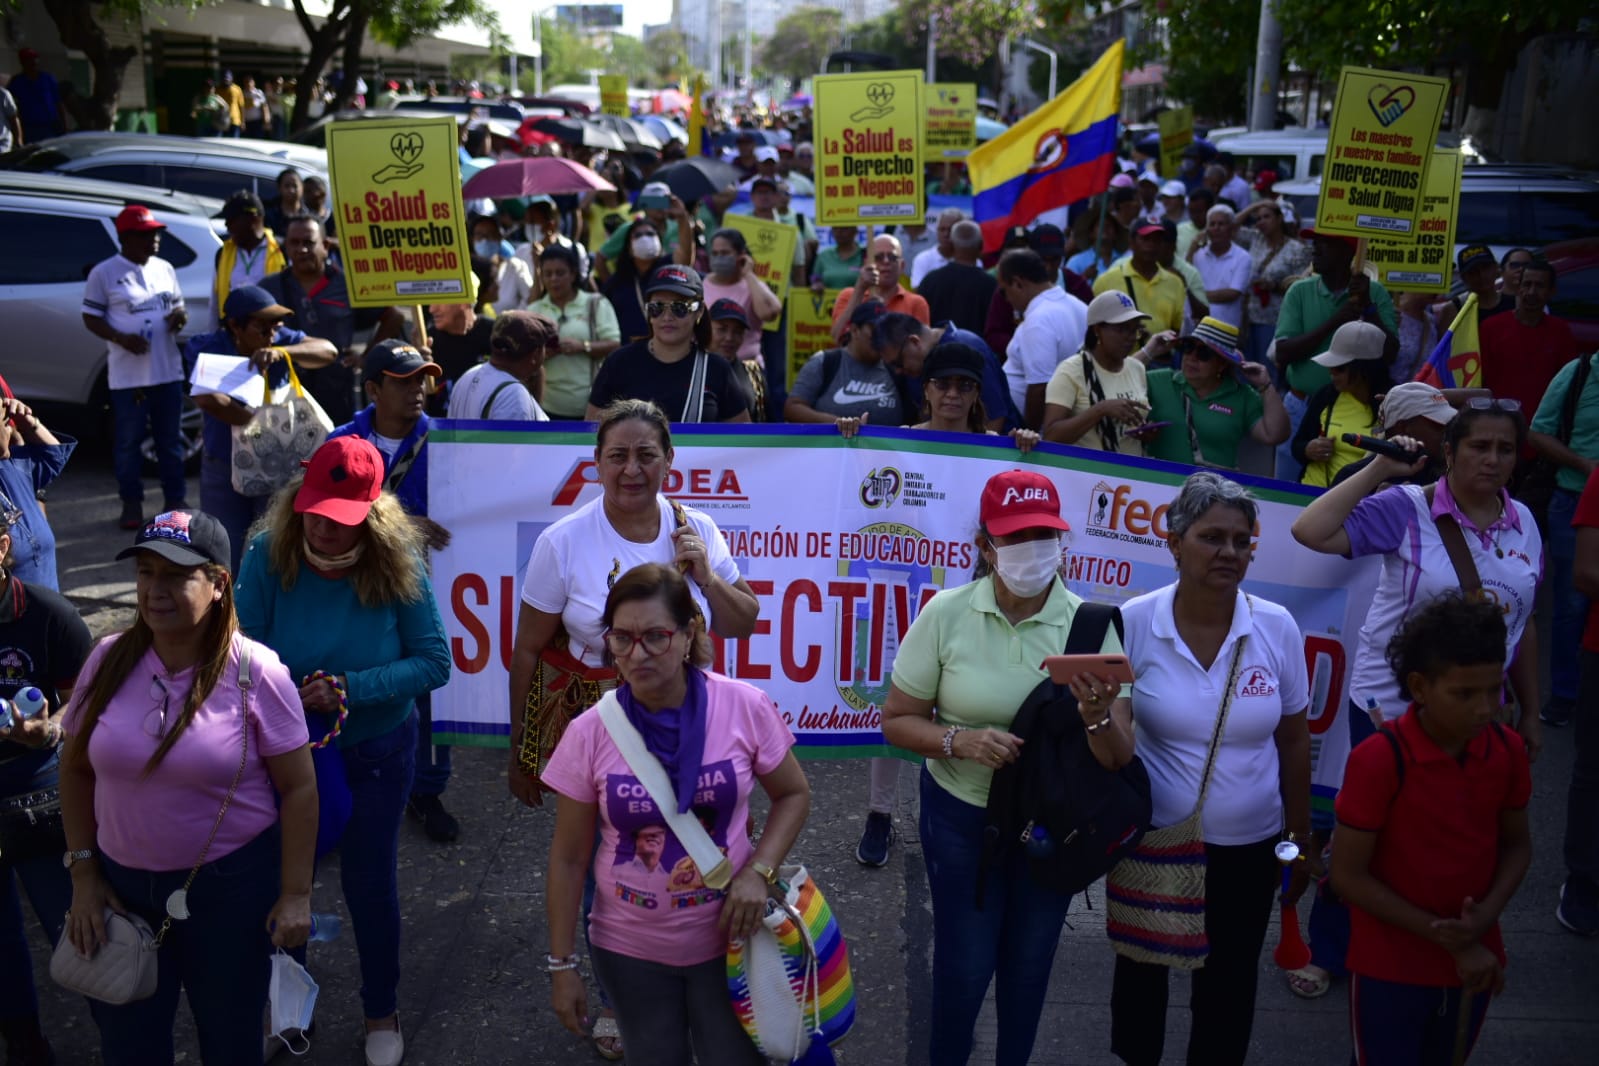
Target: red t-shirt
x,y
1588,515
1519,362
1437,838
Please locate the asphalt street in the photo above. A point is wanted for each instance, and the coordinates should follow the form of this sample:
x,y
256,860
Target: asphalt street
x,y
473,991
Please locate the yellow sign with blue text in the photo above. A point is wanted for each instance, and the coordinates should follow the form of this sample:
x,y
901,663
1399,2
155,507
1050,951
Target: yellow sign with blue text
x,y
613,94
869,148
1176,134
397,198
771,247
1384,127
1424,264
951,120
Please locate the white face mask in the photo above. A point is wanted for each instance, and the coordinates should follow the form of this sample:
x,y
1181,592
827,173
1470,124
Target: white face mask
x,y
535,233
1028,568
291,995
646,246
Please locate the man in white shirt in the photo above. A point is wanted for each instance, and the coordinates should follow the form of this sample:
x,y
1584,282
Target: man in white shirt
x,y
1052,328
942,252
1224,266
132,302
503,389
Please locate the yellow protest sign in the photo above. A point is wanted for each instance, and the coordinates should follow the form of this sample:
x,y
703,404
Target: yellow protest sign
x,y
772,249
1384,126
1176,133
869,148
951,120
696,117
810,326
613,95
397,197
1423,265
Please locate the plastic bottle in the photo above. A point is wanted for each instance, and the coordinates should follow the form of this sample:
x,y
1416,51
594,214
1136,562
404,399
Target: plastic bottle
x,y
6,716
28,702
326,927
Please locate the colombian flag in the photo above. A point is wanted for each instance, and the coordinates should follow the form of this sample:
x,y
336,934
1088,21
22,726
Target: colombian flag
x,y
1063,152
1456,363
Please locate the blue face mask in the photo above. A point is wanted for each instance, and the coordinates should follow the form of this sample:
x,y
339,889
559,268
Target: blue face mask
x,y
486,249
291,996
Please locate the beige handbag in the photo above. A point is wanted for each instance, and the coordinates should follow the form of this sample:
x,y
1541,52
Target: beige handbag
x,y
126,967
286,429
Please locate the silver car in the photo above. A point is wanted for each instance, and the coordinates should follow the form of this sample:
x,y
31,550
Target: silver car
x,y
200,166
53,229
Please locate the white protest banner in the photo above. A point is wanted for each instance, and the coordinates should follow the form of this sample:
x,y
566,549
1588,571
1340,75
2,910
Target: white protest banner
x,y
843,542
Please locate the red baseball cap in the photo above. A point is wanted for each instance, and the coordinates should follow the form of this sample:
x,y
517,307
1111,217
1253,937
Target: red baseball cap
x,y
136,218
341,481
1020,499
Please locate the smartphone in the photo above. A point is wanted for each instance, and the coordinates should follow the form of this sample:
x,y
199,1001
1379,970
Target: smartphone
x,y
654,203
1062,668
1147,427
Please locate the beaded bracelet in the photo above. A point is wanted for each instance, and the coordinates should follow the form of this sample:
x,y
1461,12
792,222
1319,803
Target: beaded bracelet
x,y
949,740
343,696
1097,726
555,964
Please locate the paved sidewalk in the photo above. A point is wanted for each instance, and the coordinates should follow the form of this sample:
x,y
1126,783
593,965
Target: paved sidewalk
x,y
473,991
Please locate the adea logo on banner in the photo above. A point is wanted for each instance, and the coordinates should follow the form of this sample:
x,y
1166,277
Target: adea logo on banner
x,y
695,485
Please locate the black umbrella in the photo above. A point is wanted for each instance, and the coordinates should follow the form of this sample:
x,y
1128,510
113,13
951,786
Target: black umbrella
x,y
697,177
630,130
577,132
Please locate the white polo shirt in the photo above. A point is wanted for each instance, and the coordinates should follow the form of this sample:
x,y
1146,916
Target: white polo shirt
x,y
137,299
1051,332
1176,701
577,560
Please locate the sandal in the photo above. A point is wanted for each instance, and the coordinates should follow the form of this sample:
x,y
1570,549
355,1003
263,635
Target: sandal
x,y
1309,982
607,1038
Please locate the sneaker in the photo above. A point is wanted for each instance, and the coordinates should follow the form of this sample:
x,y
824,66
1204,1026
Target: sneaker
x,y
876,839
439,824
385,1047
1579,906
1556,711
132,515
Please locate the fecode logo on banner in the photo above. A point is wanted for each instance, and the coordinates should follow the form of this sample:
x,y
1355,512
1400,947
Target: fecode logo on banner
x,y
843,543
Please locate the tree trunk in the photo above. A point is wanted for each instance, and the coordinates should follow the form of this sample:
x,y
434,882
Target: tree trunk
x,y
323,42
350,65
79,28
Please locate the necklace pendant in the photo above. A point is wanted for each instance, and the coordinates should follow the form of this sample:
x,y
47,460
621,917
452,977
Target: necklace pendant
x,y
1500,552
178,904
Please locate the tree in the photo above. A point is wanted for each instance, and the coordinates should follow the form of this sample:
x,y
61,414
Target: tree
x,y
668,57
971,29
801,42
81,26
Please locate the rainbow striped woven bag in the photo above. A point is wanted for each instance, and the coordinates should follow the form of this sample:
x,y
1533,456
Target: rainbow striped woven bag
x,y
1155,896
790,983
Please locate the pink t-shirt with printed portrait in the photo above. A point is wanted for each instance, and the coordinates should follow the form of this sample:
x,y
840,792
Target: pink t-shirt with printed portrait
x,y
161,821
650,902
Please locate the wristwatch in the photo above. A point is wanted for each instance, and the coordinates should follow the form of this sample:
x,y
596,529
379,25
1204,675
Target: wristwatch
x,y
588,347
768,874
72,857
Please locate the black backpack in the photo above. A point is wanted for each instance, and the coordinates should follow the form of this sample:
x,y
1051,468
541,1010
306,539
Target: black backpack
x,y
1074,818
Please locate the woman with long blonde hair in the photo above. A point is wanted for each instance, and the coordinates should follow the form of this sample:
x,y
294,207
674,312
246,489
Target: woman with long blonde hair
x,y
335,580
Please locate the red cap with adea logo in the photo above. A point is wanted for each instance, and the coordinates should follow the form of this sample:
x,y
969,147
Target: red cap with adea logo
x,y
1020,499
136,218
341,481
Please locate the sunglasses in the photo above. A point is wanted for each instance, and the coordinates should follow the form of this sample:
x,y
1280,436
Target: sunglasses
x,y
964,386
885,257
679,308
620,642
155,722
1489,403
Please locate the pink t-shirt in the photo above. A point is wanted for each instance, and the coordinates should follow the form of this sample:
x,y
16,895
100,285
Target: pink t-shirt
x,y
650,902
161,822
739,293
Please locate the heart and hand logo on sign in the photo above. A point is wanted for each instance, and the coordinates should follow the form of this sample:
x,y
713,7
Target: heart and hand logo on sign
x,y
880,95
407,148
1389,103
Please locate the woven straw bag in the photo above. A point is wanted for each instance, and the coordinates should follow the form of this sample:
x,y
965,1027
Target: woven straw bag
x,y
1155,896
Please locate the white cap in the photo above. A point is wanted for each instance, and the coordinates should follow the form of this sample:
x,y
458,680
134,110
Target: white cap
x,y
766,154
1414,399
656,188
1354,342
1174,188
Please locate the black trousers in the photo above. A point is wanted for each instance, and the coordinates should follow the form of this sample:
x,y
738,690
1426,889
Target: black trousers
x,y
1241,882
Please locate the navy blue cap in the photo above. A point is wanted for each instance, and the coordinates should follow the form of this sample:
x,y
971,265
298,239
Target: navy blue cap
x,y
248,301
396,359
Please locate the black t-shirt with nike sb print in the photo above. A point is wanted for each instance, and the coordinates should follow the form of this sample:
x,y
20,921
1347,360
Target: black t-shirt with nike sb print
x,y
853,390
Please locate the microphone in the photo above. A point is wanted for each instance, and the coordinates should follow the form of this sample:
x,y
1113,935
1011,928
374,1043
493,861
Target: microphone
x,y
1382,447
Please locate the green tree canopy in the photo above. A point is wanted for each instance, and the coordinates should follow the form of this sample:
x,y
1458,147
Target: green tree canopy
x,y
801,42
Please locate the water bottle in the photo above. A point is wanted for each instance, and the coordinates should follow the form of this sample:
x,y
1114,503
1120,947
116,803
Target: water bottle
x,y
325,928
28,702
6,717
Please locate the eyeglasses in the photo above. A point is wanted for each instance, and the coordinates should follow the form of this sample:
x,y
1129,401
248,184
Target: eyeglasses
x,y
1489,403
679,308
885,257
964,386
155,723
620,642
1200,352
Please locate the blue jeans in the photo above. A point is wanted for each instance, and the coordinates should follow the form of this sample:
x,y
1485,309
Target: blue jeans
x,y
1010,941
1259,342
218,499
161,408
1395,1024
49,890
379,772
220,957
1329,915
1570,606
1289,468
432,760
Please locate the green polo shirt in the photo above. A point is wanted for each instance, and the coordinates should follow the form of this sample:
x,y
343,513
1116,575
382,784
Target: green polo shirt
x,y
1221,419
963,654
1584,428
1309,303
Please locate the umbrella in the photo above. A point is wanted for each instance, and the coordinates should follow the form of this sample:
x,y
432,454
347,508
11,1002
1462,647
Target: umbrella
x,y
664,128
631,132
470,168
697,177
673,100
988,129
577,132
534,176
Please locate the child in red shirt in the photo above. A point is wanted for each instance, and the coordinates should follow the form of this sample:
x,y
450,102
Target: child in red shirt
x,y
1432,843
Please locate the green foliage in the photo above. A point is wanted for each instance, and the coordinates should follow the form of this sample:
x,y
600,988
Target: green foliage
x,y
801,41
400,22
971,30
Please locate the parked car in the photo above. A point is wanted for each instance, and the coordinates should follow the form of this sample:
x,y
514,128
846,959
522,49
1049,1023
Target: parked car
x,y
504,110
1297,154
200,166
1576,296
53,230
316,134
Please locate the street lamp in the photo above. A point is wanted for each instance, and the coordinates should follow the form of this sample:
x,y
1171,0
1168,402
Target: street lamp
x,y
1054,61
538,49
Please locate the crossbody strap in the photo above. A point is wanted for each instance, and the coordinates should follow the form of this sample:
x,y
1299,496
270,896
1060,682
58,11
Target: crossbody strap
x,y
594,334
488,405
713,866
1454,539
403,465
1226,705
